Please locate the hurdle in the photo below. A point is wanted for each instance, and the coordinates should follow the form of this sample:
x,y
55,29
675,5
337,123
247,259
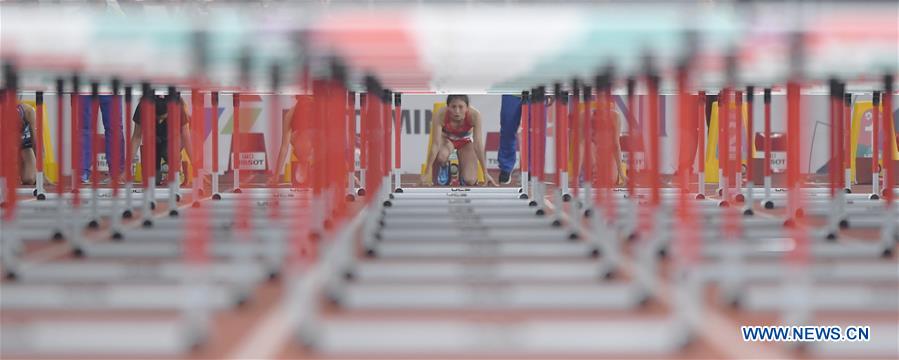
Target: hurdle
x,y
129,156
426,223
750,184
397,137
240,273
166,336
233,249
110,297
214,99
350,119
94,150
479,233
501,270
39,191
856,272
760,297
561,142
343,337
493,212
525,148
368,296
148,152
226,231
778,248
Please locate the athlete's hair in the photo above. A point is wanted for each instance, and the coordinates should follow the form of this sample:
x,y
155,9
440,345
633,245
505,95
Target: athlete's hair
x,y
450,98
160,103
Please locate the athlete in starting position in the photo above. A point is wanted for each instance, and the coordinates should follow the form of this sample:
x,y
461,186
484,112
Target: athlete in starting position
x,y
457,126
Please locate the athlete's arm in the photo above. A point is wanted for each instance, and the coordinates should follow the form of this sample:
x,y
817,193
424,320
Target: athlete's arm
x,y
479,145
29,117
185,132
284,150
437,142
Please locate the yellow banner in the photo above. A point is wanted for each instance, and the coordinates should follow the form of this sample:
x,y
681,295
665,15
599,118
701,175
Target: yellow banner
x,y
711,149
861,140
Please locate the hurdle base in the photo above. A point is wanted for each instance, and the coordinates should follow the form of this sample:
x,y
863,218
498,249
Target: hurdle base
x,y
127,214
216,196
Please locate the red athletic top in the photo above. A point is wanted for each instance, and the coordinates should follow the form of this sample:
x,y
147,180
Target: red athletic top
x,y
461,135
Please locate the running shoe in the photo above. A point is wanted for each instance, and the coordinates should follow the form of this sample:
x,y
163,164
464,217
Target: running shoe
x,y
505,177
443,175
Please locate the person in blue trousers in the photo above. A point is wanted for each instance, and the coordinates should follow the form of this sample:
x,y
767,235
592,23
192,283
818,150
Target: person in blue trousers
x,y
86,138
510,119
